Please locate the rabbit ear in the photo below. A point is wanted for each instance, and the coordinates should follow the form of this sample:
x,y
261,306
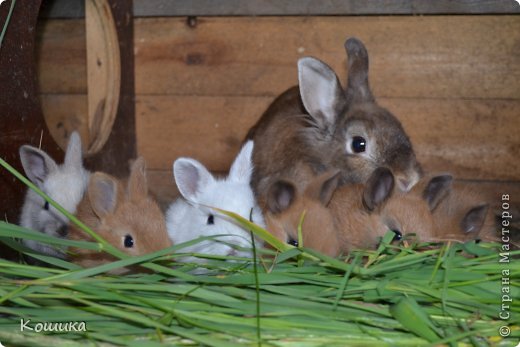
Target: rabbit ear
x,y
321,91
191,177
437,189
242,167
378,188
137,183
37,164
358,89
102,194
324,186
474,219
73,155
280,196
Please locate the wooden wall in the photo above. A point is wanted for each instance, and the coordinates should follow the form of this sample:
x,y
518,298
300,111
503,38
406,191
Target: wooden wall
x,y
453,81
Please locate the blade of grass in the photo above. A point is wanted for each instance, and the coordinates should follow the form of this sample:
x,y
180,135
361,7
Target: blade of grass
x,y
7,20
300,237
257,286
345,281
257,230
413,318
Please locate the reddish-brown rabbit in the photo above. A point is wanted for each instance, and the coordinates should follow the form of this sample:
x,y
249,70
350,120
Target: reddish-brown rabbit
x,y
464,214
329,128
123,214
339,219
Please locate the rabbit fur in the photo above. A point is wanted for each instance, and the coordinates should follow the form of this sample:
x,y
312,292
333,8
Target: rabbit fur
x,y
123,214
341,218
191,216
319,127
65,184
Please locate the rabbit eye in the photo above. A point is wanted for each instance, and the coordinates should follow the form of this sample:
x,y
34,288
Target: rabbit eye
x,y
292,242
211,220
359,144
129,241
46,205
398,235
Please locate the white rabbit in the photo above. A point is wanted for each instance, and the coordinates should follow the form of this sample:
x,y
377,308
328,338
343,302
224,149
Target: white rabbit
x,y
191,217
64,183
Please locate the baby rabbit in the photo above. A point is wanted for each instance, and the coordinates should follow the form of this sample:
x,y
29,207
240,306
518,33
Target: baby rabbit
x,y
123,214
64,183
339,219
345,130
191,216
463,215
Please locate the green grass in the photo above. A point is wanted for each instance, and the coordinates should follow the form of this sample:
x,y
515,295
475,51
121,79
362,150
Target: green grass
x,y
404,295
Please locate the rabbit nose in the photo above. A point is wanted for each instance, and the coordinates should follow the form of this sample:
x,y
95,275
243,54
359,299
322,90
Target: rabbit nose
x,y
63,231
405,184
407,181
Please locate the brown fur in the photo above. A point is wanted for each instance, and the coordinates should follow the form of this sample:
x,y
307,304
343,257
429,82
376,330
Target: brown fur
x,y
131,212
351,218
294,144
451,215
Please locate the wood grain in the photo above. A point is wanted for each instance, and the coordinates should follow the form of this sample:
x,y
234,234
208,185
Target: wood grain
x,y
473,139
65,113
103,72
163,8
449,57
322,7
61,56
411,56
209,129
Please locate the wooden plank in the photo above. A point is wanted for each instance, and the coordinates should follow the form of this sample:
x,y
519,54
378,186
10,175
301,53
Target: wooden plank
x,y
61,56
323,7
474,139
209,129
162,185
447,56
441,56
162,8
65,113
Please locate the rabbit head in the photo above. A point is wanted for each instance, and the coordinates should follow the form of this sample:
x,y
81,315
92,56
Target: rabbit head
x,y
286,210
123,214
359,134
65,184
338,219
192,215
464,214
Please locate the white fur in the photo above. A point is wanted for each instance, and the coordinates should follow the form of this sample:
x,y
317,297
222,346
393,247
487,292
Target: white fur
x,y
64,183
186,218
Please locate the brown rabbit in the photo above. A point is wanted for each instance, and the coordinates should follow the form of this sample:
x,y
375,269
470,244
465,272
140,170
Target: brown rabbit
x,y
123,214
463,215
328,128
339,219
